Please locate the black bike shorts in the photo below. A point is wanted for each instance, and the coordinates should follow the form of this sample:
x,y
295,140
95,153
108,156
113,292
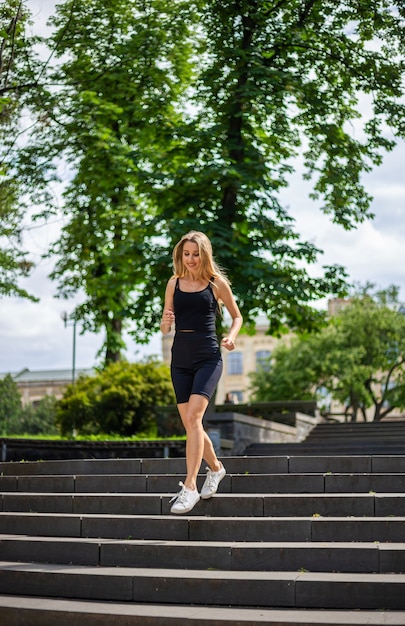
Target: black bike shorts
x,y
196,365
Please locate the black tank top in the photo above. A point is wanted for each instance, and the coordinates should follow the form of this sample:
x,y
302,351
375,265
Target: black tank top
x,y
195,310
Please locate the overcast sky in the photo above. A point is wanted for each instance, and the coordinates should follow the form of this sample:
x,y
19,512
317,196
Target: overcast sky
x,y
33,335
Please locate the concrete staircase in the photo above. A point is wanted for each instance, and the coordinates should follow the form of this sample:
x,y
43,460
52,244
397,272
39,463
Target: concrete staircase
x,y
288,540
357,438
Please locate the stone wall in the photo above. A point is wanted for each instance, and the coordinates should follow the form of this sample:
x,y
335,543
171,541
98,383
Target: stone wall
x,y
232,432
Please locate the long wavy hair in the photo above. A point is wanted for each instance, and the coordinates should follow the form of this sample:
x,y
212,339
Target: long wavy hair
x,y
209,269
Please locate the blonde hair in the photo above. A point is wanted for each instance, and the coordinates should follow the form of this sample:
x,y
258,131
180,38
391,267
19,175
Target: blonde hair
x,y
209,269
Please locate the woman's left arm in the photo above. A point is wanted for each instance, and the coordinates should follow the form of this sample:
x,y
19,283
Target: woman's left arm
x,y
227,297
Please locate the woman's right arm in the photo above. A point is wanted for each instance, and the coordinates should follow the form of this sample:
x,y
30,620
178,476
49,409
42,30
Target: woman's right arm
x,y
168,310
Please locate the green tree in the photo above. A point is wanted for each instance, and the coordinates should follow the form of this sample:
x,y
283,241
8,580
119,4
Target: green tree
x,y
15,51
175,115
36,420
10,404
289,373
358,359
120,400
276,80
120,76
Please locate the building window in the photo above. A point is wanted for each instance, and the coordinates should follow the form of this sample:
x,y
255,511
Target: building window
x,y
233,397
237,397
235,363
263,360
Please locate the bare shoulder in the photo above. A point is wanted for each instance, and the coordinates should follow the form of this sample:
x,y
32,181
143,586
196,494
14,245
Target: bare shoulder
x,y
171,283
221,281
222,285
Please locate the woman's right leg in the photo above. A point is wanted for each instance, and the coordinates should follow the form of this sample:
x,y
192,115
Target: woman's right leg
x,y
208,452
191,414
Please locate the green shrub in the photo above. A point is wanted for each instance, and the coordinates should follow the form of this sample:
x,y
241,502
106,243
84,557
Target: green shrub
x,y
120,400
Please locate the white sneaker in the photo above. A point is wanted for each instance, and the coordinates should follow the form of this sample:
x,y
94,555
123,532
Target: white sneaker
x,y
185,500
211,483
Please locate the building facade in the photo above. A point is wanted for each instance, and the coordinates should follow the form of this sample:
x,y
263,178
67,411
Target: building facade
x,y
35,385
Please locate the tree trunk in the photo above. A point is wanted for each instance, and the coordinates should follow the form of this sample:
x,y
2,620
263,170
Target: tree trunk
x,y
114,341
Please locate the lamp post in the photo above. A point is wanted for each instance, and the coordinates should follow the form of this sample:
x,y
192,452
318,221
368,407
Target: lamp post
x,y
66,318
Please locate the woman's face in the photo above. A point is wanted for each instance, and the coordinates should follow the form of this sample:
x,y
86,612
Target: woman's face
x,y
191,257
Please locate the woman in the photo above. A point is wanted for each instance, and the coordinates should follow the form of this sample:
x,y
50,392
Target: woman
x,y
193,298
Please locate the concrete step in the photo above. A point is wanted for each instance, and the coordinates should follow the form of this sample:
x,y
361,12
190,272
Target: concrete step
x,y
364,448
336,431
280,505
339,434
72,466
205,528
226,555
290,483
214,587
382,428
101,531
31,611
292,462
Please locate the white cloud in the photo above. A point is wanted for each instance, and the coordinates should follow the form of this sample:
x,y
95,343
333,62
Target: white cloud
x,y
41,11
369,254
33,335
374,251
